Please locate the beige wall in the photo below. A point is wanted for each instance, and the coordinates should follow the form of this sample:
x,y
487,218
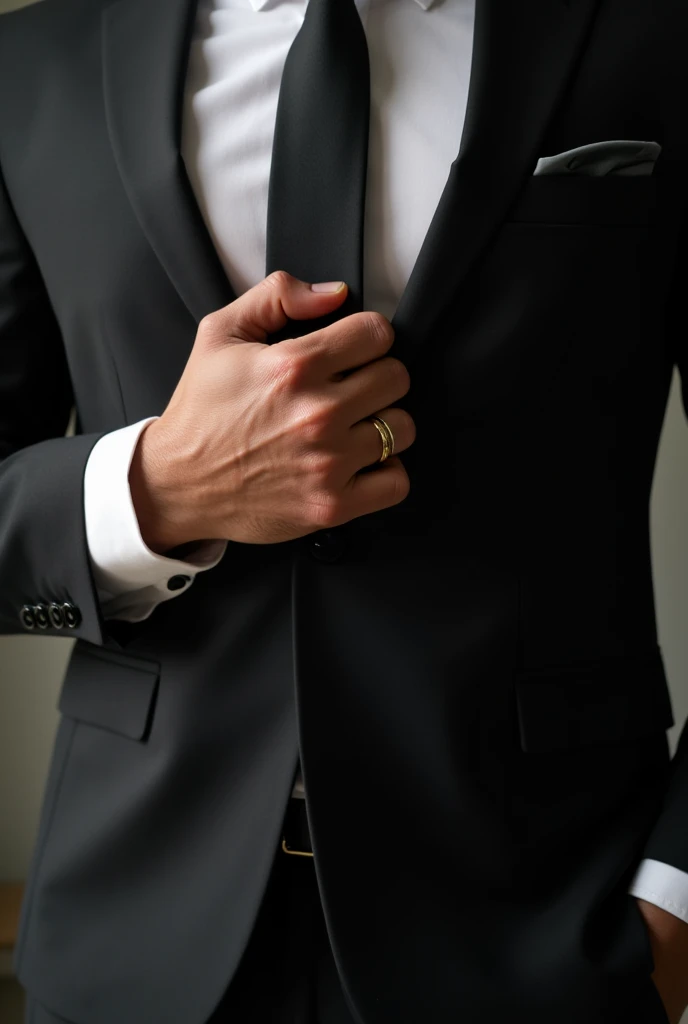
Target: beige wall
x,y
670,553
12,5
30,673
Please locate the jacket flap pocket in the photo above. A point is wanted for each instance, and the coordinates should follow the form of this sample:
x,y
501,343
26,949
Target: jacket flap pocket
x,y
111,690
605,701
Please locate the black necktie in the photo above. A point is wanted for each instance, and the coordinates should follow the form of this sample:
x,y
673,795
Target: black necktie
x,y
316,199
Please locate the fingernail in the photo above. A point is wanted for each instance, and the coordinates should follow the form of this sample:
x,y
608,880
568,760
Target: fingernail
x,y
327,286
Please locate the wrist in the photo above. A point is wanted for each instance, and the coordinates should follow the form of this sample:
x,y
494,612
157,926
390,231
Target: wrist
x,y
155,484
669,942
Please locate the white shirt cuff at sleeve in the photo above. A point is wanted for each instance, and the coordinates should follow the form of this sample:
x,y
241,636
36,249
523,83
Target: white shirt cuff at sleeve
x,y
131,580
663,885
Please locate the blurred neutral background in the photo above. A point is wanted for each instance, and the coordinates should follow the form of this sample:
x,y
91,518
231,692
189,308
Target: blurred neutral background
x,y
31,668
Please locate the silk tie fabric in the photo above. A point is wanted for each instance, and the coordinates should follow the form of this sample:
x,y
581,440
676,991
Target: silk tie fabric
x,y
316,195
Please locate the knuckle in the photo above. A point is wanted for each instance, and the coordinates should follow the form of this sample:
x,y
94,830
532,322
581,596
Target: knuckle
x,y
401,485
288,368
398,373
278,280
208,326
323,467
408,425
325,511
315,426
380,329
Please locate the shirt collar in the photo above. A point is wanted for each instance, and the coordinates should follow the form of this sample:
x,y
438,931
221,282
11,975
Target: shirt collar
x,y
258,5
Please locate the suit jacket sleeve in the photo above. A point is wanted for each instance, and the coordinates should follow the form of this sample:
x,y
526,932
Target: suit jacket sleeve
x,y
43,549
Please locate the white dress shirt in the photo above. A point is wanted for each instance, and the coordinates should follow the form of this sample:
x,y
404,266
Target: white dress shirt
x,y
420,57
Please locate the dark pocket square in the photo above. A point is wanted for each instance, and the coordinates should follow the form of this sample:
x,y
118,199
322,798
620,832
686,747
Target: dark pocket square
x,y
603,158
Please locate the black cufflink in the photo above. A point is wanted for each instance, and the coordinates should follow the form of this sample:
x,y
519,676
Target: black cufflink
x,y
178,582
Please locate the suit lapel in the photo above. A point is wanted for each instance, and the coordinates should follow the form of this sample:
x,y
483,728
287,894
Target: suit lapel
x,y
523,56
145,51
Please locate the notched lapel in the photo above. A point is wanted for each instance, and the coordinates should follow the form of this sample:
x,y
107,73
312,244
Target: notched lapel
x,y
523,57
145,52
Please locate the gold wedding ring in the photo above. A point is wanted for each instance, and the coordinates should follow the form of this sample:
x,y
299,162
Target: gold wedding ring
x,y
387,436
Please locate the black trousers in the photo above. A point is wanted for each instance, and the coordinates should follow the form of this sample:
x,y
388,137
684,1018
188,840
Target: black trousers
x,y
287,974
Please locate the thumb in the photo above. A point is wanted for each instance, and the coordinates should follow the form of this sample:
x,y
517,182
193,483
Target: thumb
x,y
265,308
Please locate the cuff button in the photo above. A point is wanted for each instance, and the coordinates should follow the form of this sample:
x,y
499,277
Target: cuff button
x,y
27,617
57,615
178,582
41,616
72,615
327,545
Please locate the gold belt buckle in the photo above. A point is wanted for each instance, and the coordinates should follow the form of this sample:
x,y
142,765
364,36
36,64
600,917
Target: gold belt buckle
x,y
294,827
294,853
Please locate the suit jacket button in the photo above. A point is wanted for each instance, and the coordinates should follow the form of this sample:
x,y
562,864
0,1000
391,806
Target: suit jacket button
x,y
41,615
178,582
57,615
327,545
27,617
72,615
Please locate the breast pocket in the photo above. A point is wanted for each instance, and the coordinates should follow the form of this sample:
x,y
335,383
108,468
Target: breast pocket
x,y
570,199
565,298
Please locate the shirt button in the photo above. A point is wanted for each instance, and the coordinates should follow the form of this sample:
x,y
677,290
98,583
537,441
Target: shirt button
x,y
72,615
27,617
178,582
327,545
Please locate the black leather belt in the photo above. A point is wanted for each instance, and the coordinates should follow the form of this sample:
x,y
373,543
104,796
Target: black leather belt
x,y
296,836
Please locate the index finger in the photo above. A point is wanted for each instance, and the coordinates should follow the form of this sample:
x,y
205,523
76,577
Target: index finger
x,y
348,344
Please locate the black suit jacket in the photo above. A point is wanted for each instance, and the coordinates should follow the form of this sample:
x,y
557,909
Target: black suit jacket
x,y
472,677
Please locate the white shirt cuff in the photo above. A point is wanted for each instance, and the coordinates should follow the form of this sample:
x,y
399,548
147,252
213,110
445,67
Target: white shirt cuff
x,y
663,885
131,580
